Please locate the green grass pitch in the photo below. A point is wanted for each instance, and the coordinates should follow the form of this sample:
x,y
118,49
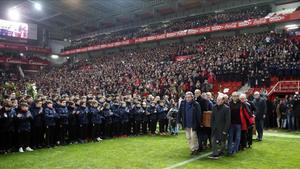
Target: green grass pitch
x,y
279,150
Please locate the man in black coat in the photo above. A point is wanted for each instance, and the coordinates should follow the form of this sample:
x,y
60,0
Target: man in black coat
x,y
260,113
202,136
189,116
220,123
296,109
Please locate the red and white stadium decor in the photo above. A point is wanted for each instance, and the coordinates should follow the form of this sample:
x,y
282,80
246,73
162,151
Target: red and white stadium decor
x,y
34,61
194,31
21,47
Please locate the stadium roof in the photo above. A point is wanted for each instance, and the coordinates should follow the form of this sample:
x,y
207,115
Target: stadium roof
x,y
75,17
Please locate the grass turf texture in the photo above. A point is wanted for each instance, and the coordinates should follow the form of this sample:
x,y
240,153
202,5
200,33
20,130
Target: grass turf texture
x,y
278,150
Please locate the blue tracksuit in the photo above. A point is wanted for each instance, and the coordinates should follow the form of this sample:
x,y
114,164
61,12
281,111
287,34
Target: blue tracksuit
x,y
63,113
96,115
50,116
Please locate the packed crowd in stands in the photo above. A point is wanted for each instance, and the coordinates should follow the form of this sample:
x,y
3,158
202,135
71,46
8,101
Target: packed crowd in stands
x,y
251,58
175,25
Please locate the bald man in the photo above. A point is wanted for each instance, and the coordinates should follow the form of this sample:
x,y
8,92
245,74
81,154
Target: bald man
x,y
220,122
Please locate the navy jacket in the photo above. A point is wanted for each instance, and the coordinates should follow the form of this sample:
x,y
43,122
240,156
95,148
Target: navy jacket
x,y
23,121
153,114
50,116
83,115
260,107
7,120
63,113
161,112
73,116
196,116
96,115
38,116
124,114
138,114
108,114
116,116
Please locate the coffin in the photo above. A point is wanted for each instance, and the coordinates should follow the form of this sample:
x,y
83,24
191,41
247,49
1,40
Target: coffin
x,y
206,118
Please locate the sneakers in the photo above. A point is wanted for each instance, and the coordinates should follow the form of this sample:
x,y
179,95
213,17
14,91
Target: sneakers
x,y
28,149
21,150
99,139
214,157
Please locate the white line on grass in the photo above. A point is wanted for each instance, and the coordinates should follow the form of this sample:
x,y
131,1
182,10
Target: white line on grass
x,y
206,154
188,161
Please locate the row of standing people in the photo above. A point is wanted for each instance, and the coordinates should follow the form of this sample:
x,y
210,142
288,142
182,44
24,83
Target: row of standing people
x,y
45,123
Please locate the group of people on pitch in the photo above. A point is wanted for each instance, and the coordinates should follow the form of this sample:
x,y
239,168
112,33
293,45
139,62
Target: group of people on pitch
x,y
27,124
232,122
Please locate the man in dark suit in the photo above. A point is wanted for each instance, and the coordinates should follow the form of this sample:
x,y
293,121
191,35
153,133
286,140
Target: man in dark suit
x,y
190,116
202,136
260,113
220,122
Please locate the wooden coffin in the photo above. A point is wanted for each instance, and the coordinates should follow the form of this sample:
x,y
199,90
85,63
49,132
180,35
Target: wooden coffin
x,y
206,118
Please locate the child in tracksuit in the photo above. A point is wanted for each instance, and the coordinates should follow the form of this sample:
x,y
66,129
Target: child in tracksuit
x,y
96,120
172,114
24,118
50,122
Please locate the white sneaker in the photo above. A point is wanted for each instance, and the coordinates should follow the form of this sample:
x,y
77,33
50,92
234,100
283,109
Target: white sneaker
x,y
28,149
21,150
99,139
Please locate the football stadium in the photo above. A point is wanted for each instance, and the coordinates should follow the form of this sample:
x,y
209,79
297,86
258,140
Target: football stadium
x,y
149,84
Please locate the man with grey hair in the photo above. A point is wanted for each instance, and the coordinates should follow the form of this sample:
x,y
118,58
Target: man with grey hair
x,y
220,122
260,113
189,115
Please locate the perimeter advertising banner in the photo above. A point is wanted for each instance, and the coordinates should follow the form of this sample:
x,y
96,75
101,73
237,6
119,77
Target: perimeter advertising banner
x,y
194,31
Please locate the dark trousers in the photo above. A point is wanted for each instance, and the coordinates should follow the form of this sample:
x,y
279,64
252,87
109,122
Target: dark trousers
x,y
218,141
23,138
152,126
297,123
96,128
108,130
207,131
201,138
163,125
117,128
50,135
259,127
243,139
63,133
137,128
83,131
250,135
145,127
131,125
3,141
38,136
125,128
73,133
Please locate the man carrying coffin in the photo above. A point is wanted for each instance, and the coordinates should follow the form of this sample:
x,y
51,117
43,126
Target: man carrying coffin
x,y
220,123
